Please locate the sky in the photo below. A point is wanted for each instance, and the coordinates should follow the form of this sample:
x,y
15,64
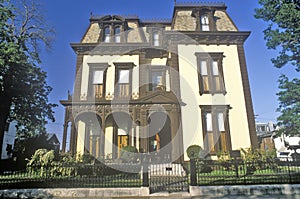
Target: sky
x,y
70,19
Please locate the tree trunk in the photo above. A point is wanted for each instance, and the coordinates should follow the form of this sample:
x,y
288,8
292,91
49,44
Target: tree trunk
x,y
4,113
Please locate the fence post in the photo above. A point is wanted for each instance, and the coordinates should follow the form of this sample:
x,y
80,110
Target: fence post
x,y
193,175
145,170
288,163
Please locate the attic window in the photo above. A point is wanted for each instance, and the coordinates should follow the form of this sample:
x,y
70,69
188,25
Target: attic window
x,y
204,23
155,39
117,34
106,36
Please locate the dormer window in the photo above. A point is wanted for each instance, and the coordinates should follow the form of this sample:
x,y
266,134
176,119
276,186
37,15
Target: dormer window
x,y
155,39
106,35
204,23
204,19
117,34
112,29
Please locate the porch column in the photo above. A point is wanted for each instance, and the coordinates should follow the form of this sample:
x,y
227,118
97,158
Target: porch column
x,y
102,138
64,141
144,132
73,139
176,136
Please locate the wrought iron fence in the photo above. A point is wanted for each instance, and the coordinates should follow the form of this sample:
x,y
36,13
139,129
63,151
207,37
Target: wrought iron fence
x,y
159,177
239,172
79,176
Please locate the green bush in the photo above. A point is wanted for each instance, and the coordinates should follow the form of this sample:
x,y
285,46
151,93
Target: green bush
x,y
40,162
225,160
195,152
255,159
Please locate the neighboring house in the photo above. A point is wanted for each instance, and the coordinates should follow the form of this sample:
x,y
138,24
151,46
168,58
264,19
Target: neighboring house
x,y
265,133
286,146
161,85
9,140
54,142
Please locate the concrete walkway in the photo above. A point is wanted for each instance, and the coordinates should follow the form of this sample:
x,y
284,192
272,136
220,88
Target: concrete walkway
x,y
291,191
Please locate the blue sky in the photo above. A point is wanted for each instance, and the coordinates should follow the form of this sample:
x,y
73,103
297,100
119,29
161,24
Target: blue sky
x,y
70,18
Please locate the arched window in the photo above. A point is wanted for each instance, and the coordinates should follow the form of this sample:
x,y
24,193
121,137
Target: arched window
x,y
204,23
155,39
117,35
106,35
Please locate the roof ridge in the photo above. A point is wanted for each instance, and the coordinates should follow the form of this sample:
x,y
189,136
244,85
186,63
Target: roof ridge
x,y
201,3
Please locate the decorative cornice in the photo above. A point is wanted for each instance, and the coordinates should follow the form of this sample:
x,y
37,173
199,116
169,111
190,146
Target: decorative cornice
x,y
207,38
181,37
107,48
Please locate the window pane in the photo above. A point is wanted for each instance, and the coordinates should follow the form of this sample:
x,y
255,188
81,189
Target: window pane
x,y
211,142
205,27
156,39
98,77
208,122
221,122
123,90
117,35
215,68
205,83
117,31
204,20
98,90
205,23
123,76
217,83
223,146
117,38
106,35
203,68
157,78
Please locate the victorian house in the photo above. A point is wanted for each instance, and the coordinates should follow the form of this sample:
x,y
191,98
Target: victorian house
x,y
161,85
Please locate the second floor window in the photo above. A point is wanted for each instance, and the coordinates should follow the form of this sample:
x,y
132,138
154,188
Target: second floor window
x,y
98,83
97,78
157,78
211,78
123,84
204,23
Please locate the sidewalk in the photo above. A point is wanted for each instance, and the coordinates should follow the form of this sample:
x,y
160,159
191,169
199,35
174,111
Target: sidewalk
x,y
291,191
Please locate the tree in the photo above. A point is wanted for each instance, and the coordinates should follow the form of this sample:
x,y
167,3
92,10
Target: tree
x,y
283,32
289,106
23,88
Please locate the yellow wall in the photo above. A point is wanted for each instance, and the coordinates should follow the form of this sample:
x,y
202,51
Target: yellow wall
x,y
191,113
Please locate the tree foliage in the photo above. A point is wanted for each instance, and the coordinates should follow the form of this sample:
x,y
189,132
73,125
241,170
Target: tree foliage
x,y
283,31
289,106
23,88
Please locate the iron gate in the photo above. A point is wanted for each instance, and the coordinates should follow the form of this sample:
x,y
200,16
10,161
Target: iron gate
x,y
167,178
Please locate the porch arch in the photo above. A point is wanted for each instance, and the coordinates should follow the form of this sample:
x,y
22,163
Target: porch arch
x,y
88,133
